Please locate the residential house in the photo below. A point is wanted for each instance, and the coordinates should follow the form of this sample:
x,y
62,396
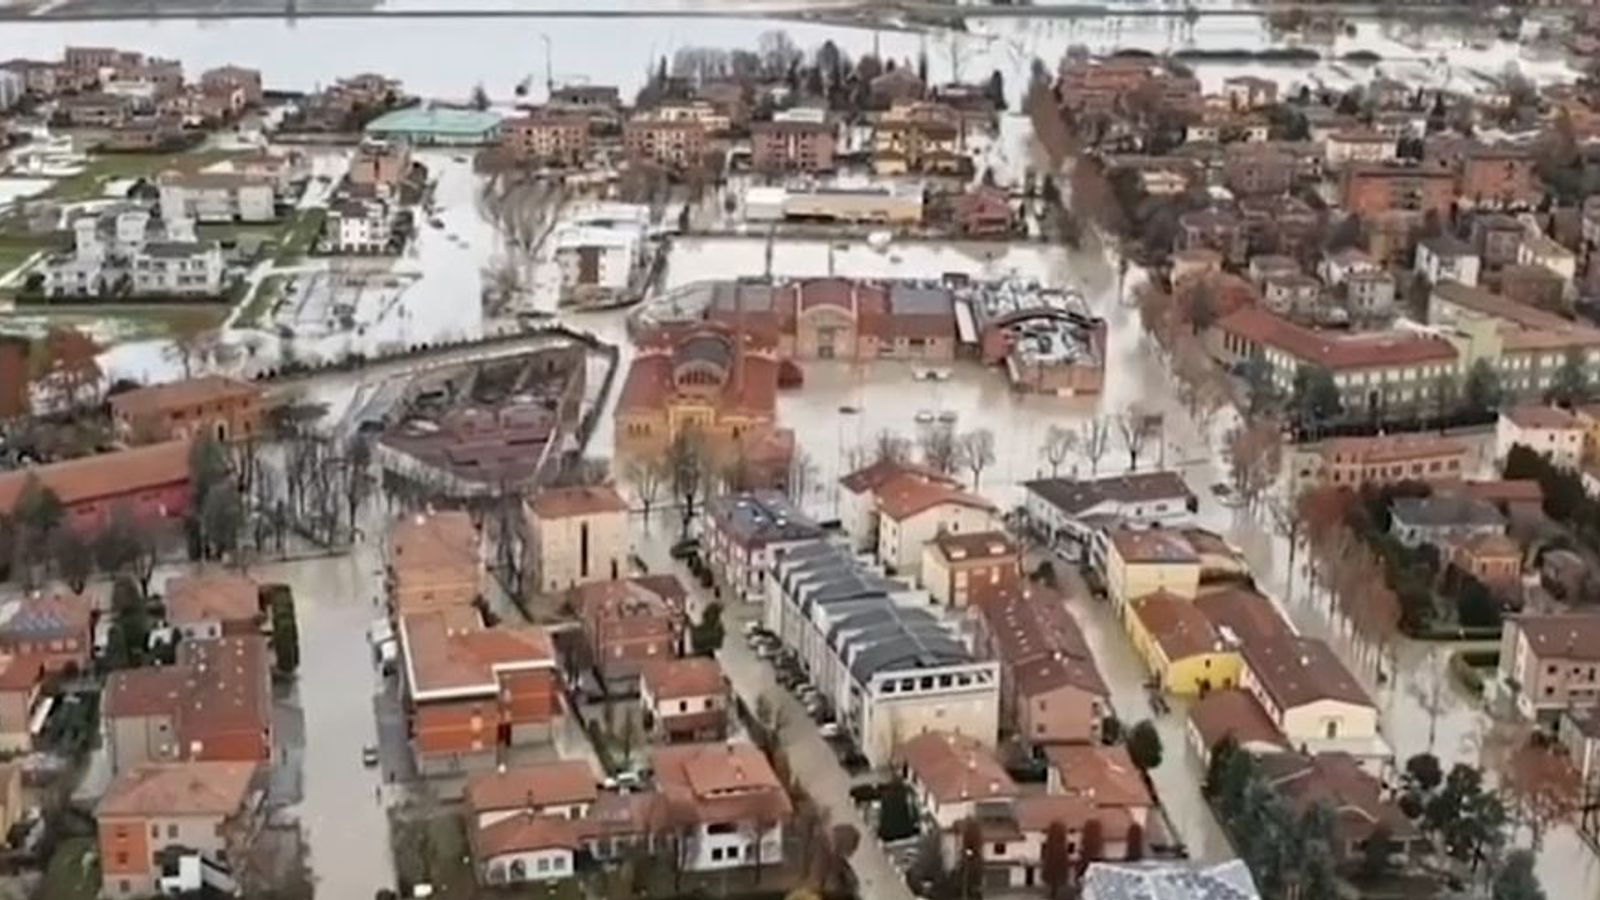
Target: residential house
x,y
1358,800
216,197
1372,189
950,775
858,496
360,226
1448,258
957,567
435,561
984,211
565,789
598,262
1068,506
1518,498
577,535
1249,92
672,143
1384,459
1440,521
920,137
1232,713
1354,146
1527,346
1496,237
736,808
157,811
228,79
629,623
1370,295
1533,285
1338,266
50,628
213,406
1552,432
912,511
1538,250
1215,229
214,703
1184,653
1548,662
1498,177
383,166
1292,293
1051,691
878,653
547,136
1257,170
213,604
796,140
684,700
149,482
472,690
1143,562
747,532
22,679
1103,773
1494,559
1271,265
1579,733
542,848
123,250
1313,699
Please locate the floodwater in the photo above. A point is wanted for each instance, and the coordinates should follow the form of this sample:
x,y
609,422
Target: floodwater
x,y
445,58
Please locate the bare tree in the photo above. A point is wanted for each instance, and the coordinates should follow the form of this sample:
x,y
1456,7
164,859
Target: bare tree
x,y
890,447
688,461
802,476
648,476
1095,439
193,336
1256,457
1059,444
1136,429
938,446
975,452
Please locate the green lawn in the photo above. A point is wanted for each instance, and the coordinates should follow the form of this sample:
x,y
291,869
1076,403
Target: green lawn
x,y
16,248
260,304
68,878
300,234
125,321
90,183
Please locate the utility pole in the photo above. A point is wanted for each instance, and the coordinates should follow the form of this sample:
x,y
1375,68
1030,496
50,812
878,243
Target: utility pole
x,y
549,69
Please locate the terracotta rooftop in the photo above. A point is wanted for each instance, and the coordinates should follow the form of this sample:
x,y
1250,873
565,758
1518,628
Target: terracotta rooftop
x,y
180,395
560,783
1176,625
1297,671
1153,545
1336,351
1034,633
45,615
1246,614
1574,636
216,685
525,834
870,478
690,676
1234,713
955,768
169,790
122,472
907,495
1336,781
1105,773
446,653
1503,490
722,782
1538,415
973,546
563,503
211,596
1077,497
1392,448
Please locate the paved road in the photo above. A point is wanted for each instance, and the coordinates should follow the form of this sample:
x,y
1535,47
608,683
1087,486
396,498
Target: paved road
x,y
813,762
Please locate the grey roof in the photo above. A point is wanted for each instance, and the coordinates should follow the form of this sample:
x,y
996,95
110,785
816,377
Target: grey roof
x,y
751,296
920,299
1169,881
758,518
1449,245
1445,511
174,249
1075,497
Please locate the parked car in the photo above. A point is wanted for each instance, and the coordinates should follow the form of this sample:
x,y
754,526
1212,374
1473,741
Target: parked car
x,y
685,548
369,756
830,730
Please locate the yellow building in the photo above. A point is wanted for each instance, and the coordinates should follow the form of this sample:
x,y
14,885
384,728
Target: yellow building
x,y
1185,653
709,380
1142,562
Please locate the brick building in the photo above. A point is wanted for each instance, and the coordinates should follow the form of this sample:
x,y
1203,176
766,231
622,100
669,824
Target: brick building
x,y
210,406
627,624
674,143
1372,189
150,482
793,145
214,703
547,137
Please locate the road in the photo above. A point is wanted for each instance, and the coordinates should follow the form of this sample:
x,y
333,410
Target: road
x,y
341,817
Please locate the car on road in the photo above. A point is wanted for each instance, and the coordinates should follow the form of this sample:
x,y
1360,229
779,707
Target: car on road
x,y
685,548
369,756
829,730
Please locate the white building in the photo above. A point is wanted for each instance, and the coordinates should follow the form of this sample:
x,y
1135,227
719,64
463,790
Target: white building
x,y
911,512
1068,507
878,652
124,249
1554,433
745,534
1314,700
359,226
1538,250
216,197
858,497
1446,258
12,88
1358,146
597,262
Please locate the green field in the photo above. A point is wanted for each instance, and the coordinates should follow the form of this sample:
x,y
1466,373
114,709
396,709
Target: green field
x,y
68,878
90,183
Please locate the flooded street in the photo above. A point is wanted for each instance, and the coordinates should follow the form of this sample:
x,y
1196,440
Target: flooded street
x,y
342,820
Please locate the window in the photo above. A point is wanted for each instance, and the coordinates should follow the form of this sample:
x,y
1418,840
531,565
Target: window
x,y
172,832
543,864
683,706
999,849
155,831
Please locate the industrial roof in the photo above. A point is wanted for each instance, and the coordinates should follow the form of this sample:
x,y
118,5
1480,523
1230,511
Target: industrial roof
x,y
438,120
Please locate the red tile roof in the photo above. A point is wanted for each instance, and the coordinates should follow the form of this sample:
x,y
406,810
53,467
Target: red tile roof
x,y
907,495
103,475
180,395
722,782
563,503
1176,625
445,653
871,477
955,768
1336,352
1107,774
169,790
560,783
212,596
675,679
1234,713
1297,671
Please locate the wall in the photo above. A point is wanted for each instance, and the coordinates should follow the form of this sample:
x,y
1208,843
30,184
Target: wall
x,y
536,865
1310,722
559,564
900,543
